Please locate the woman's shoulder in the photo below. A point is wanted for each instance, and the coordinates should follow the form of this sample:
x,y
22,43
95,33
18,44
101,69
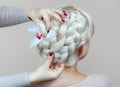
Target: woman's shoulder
x,y
99,79
94,80
97,76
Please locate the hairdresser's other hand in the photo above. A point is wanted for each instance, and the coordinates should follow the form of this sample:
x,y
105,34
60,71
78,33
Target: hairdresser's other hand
x,y
48,71
46,14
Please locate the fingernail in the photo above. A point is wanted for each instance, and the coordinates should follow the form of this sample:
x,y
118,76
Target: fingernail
x,y
65,14
49,66
63,21
48,31
64,11
42,18
51,53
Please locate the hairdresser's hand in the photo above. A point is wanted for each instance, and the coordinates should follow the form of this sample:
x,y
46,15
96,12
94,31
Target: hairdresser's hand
x,y
46,72
45,15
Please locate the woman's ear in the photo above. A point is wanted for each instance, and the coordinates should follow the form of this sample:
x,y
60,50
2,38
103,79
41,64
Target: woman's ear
x,y
82,50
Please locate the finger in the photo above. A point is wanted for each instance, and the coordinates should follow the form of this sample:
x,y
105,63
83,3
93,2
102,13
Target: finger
x,y
57,17
41,18
57,66
47,21
54,65
60,69
35,22
51,67
49,60
60,12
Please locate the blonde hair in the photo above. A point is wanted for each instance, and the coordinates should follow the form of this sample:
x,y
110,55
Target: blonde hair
x,y
77,29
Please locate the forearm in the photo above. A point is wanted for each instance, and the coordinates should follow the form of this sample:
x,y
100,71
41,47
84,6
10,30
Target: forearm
x,y
18,80
12,16
36,77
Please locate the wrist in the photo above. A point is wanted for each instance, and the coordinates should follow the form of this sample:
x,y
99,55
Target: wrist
x,y
32,77
35,77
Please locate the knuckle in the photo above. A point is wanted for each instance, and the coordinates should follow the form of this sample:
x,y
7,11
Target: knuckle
x,y
58,17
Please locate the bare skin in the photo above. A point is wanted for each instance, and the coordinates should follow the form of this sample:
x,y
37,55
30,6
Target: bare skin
x,y
46,72
70,75
46,15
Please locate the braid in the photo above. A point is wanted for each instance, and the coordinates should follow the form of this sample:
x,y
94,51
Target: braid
x,y
69,37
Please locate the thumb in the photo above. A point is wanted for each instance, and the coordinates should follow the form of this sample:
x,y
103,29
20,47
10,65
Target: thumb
x,y
36,22
50,58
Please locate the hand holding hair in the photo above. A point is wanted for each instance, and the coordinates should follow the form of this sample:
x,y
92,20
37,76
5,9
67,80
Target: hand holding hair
x,y
46,15
48,71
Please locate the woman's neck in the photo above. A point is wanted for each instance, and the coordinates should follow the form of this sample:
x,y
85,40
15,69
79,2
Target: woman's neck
x,y
69,76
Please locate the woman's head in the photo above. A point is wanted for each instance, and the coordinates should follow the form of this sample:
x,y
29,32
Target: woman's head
x,y
72,37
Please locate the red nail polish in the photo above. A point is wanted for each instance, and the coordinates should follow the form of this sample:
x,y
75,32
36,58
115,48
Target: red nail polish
x,y
65,14
63,21
38,36
51,53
